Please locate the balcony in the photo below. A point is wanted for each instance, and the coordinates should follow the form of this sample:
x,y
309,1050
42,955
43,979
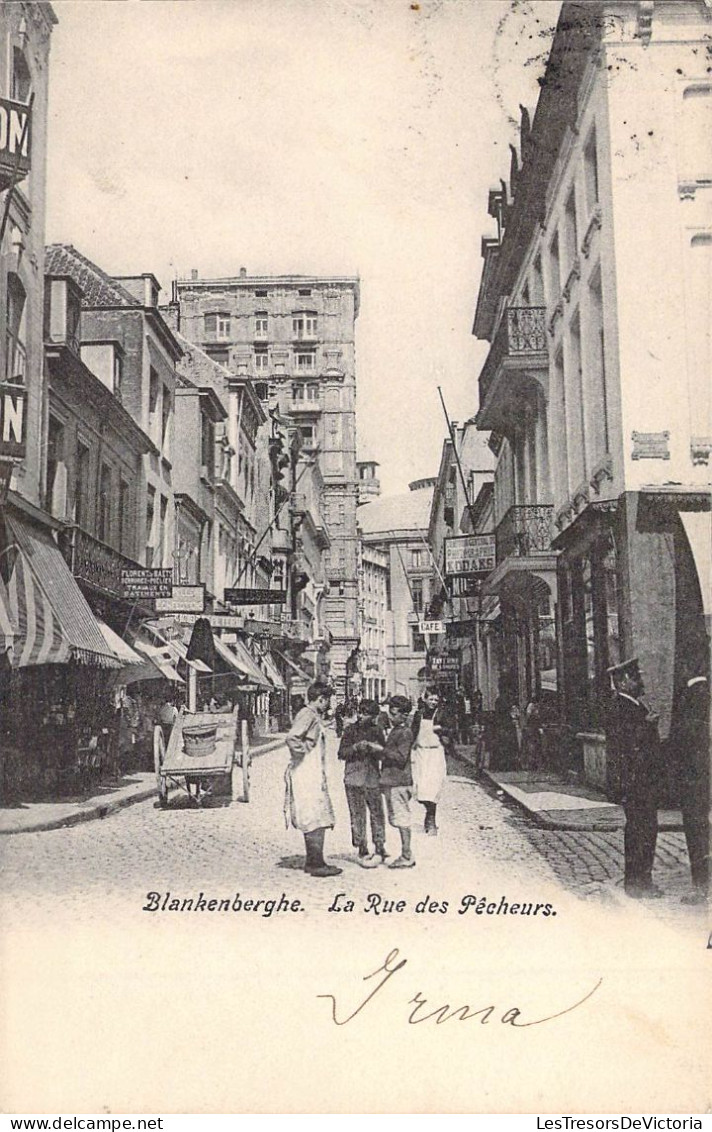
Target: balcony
x,y
518,355
525,531
304,406
93,562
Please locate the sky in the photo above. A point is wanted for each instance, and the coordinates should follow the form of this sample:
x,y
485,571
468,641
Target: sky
x,y
335,137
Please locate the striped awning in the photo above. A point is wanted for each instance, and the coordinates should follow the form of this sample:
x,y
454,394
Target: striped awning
x,y
240,660
273,672
49,617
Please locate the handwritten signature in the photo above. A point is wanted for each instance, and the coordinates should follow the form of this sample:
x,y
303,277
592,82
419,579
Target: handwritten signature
x,y
445,1013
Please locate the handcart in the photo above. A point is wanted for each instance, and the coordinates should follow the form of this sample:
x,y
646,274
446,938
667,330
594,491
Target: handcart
x,y
208,754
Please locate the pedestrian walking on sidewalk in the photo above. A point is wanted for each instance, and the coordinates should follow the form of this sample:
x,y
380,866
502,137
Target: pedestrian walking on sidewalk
x,y
360,748
397,777
690,744
307,805
634,749
433,730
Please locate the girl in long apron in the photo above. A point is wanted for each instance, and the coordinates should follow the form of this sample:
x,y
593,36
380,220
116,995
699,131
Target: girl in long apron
x,y
428,756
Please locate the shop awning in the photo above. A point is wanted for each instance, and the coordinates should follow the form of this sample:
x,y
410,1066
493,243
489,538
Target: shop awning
x,y
161,660
123,651
239,658
272,672
304,676
50,619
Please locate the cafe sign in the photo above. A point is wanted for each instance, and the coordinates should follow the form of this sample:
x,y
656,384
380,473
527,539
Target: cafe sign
x,y
431,627
469,555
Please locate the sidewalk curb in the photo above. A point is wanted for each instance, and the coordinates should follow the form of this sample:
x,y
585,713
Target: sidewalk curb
x,y
88,813
99,809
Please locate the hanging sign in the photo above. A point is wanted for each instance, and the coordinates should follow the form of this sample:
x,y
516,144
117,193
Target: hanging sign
x,y
467,555
140,584
431,627
253,596
184,599
13,427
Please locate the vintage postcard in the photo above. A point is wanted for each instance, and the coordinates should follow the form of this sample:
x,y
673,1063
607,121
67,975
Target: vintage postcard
x,y
355,448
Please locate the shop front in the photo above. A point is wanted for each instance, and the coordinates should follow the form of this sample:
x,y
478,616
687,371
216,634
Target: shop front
x,y
633,575
56,667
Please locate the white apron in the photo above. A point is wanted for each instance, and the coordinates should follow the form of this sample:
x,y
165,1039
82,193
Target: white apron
x,y
307,805
428,761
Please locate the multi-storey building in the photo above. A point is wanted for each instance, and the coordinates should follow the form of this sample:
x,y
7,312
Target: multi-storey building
x,y
294,337
25,32
128,344
397,527
597,385
465,467
373,611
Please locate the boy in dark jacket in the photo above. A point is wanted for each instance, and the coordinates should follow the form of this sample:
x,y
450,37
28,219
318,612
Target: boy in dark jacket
x,y
397,777
361,745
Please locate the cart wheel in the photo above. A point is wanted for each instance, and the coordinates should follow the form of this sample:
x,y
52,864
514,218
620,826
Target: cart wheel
x,y
159,753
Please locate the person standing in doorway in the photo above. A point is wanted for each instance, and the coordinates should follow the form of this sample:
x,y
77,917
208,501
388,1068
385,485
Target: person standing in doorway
x,y
307,804
433,731
634,746
690,743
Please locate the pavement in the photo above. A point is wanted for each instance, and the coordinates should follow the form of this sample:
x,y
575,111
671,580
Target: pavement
x,y
557,803
33,817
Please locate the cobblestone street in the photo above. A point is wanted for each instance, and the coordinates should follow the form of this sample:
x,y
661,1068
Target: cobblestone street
x,y
484,843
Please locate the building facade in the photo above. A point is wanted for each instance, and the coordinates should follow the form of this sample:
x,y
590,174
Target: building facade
x,y
600,408
397,528
293,336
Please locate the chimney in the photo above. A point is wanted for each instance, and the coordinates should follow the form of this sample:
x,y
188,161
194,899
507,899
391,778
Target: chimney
x,y
193,273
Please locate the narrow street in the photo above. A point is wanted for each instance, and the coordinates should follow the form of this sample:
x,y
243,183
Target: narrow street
x,y
484,844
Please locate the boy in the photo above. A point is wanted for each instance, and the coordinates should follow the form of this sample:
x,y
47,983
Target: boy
x,y
361,744
397,776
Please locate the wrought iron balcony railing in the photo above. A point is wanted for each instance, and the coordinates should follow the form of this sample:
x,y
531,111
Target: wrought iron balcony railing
x,y
521,334
525,530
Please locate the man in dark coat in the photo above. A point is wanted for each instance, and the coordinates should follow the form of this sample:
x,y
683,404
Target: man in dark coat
x,y
633,746
690,742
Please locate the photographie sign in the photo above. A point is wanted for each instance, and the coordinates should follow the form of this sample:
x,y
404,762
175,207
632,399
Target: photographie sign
x,y
140,584
15,129
467,555
13,426
431,627
184,599
247,596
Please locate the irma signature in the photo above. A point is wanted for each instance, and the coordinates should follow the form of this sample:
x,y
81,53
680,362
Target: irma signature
x,y
446,1013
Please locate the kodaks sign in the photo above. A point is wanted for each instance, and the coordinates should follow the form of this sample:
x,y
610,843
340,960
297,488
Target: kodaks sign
x,y
13,428
468,555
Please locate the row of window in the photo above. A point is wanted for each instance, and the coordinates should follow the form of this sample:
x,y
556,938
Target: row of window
x,y
218,325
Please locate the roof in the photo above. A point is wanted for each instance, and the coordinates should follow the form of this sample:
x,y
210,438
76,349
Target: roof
x,y
407,512
98,288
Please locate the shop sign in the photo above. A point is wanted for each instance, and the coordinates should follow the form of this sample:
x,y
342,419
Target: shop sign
x,y
468,555
216,620
430,627
142,584
13,427
461,630
14,140
444,664
184,599
464,587
253,596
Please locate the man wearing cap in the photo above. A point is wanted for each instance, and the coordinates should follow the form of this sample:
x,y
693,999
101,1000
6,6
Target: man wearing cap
x,y
633,745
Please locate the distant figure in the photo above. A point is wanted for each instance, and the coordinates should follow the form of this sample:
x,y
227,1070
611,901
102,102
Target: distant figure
x,y
634,748
433,729
690,742
505,746
531,755
307,805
